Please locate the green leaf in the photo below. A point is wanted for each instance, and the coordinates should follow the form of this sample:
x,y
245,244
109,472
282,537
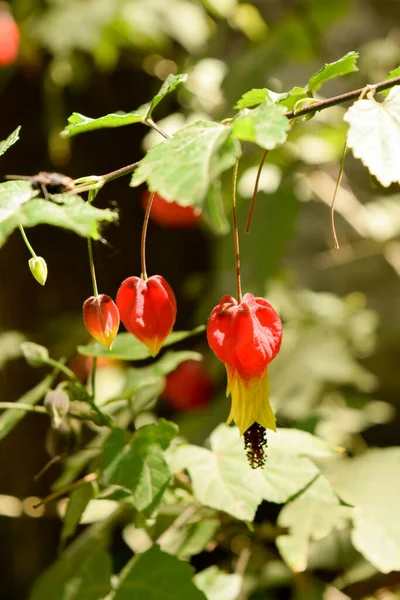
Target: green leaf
x,y
218,585
264,125
374,135
183,167
310,516
78,501
191,538
155,575
169,85
10,418
18,206
80,124
345,65
139,466
12,138
371,484
214,211
127,347
394,73
222,478
252,98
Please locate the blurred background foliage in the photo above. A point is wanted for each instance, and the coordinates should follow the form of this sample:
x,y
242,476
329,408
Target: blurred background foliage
x,y
337,373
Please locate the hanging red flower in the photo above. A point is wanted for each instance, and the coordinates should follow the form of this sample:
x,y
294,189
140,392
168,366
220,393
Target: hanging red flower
x,y
101,318
148,309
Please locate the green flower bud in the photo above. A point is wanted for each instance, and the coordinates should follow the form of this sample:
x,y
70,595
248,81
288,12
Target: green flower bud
x,y
34,354
38,268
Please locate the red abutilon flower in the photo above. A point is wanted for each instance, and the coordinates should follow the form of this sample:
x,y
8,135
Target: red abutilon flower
x,y
189,386
101,318
148,309
9,37
171,214
246,337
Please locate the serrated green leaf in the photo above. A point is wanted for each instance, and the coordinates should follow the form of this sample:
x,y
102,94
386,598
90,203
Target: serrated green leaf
x,y
78,501
18,206
252,98
139,466
218,585
12,138
156,575
371,484
222,478
264,125
183,167
288,99
310,516
214,211
374,135
127,347
169,85
78,123
394,73
345,65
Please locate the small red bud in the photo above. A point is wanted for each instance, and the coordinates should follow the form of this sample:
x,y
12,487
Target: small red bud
x,y
189,387
171,214
101,318
9,38
147,309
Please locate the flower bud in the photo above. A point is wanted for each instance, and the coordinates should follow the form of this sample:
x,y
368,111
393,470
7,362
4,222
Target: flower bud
x,y
34,354
57,405
147,309
101,318
38,268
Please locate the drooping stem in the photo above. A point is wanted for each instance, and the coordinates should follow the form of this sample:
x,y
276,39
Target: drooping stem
x,y
26,241
154,125
92,195
338,182
253,199
236,232
144,235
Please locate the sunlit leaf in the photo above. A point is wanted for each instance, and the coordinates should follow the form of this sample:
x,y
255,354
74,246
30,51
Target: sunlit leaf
x,y
222,478
374,135
311,516
264,125
155,575
345,65
183,167
218,585
371,484
191,538
252,98
12,138
169,85
127,347
78,123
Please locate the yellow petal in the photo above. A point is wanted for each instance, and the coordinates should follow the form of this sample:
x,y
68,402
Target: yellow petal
x,y
250,401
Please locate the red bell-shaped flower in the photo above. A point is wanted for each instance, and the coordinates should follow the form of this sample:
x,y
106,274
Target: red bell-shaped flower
x,y
246,337
148,309
101,318
9,37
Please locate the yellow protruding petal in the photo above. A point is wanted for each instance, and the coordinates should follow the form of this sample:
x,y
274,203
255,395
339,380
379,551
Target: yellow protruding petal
x,y
250,401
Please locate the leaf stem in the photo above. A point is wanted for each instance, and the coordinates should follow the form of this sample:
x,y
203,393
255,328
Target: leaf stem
x,y
27,244
253,199
144,235
354,95
236,232
151,123
92,195
21,406
332,210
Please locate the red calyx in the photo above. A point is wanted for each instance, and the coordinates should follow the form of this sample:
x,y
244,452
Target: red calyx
x,y
147,309
101,318
9,39
245,336
171,214
189,386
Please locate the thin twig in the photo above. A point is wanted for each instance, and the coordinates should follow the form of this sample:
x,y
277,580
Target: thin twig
x,y
68,488
253,199
151,123
354,95
332,211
